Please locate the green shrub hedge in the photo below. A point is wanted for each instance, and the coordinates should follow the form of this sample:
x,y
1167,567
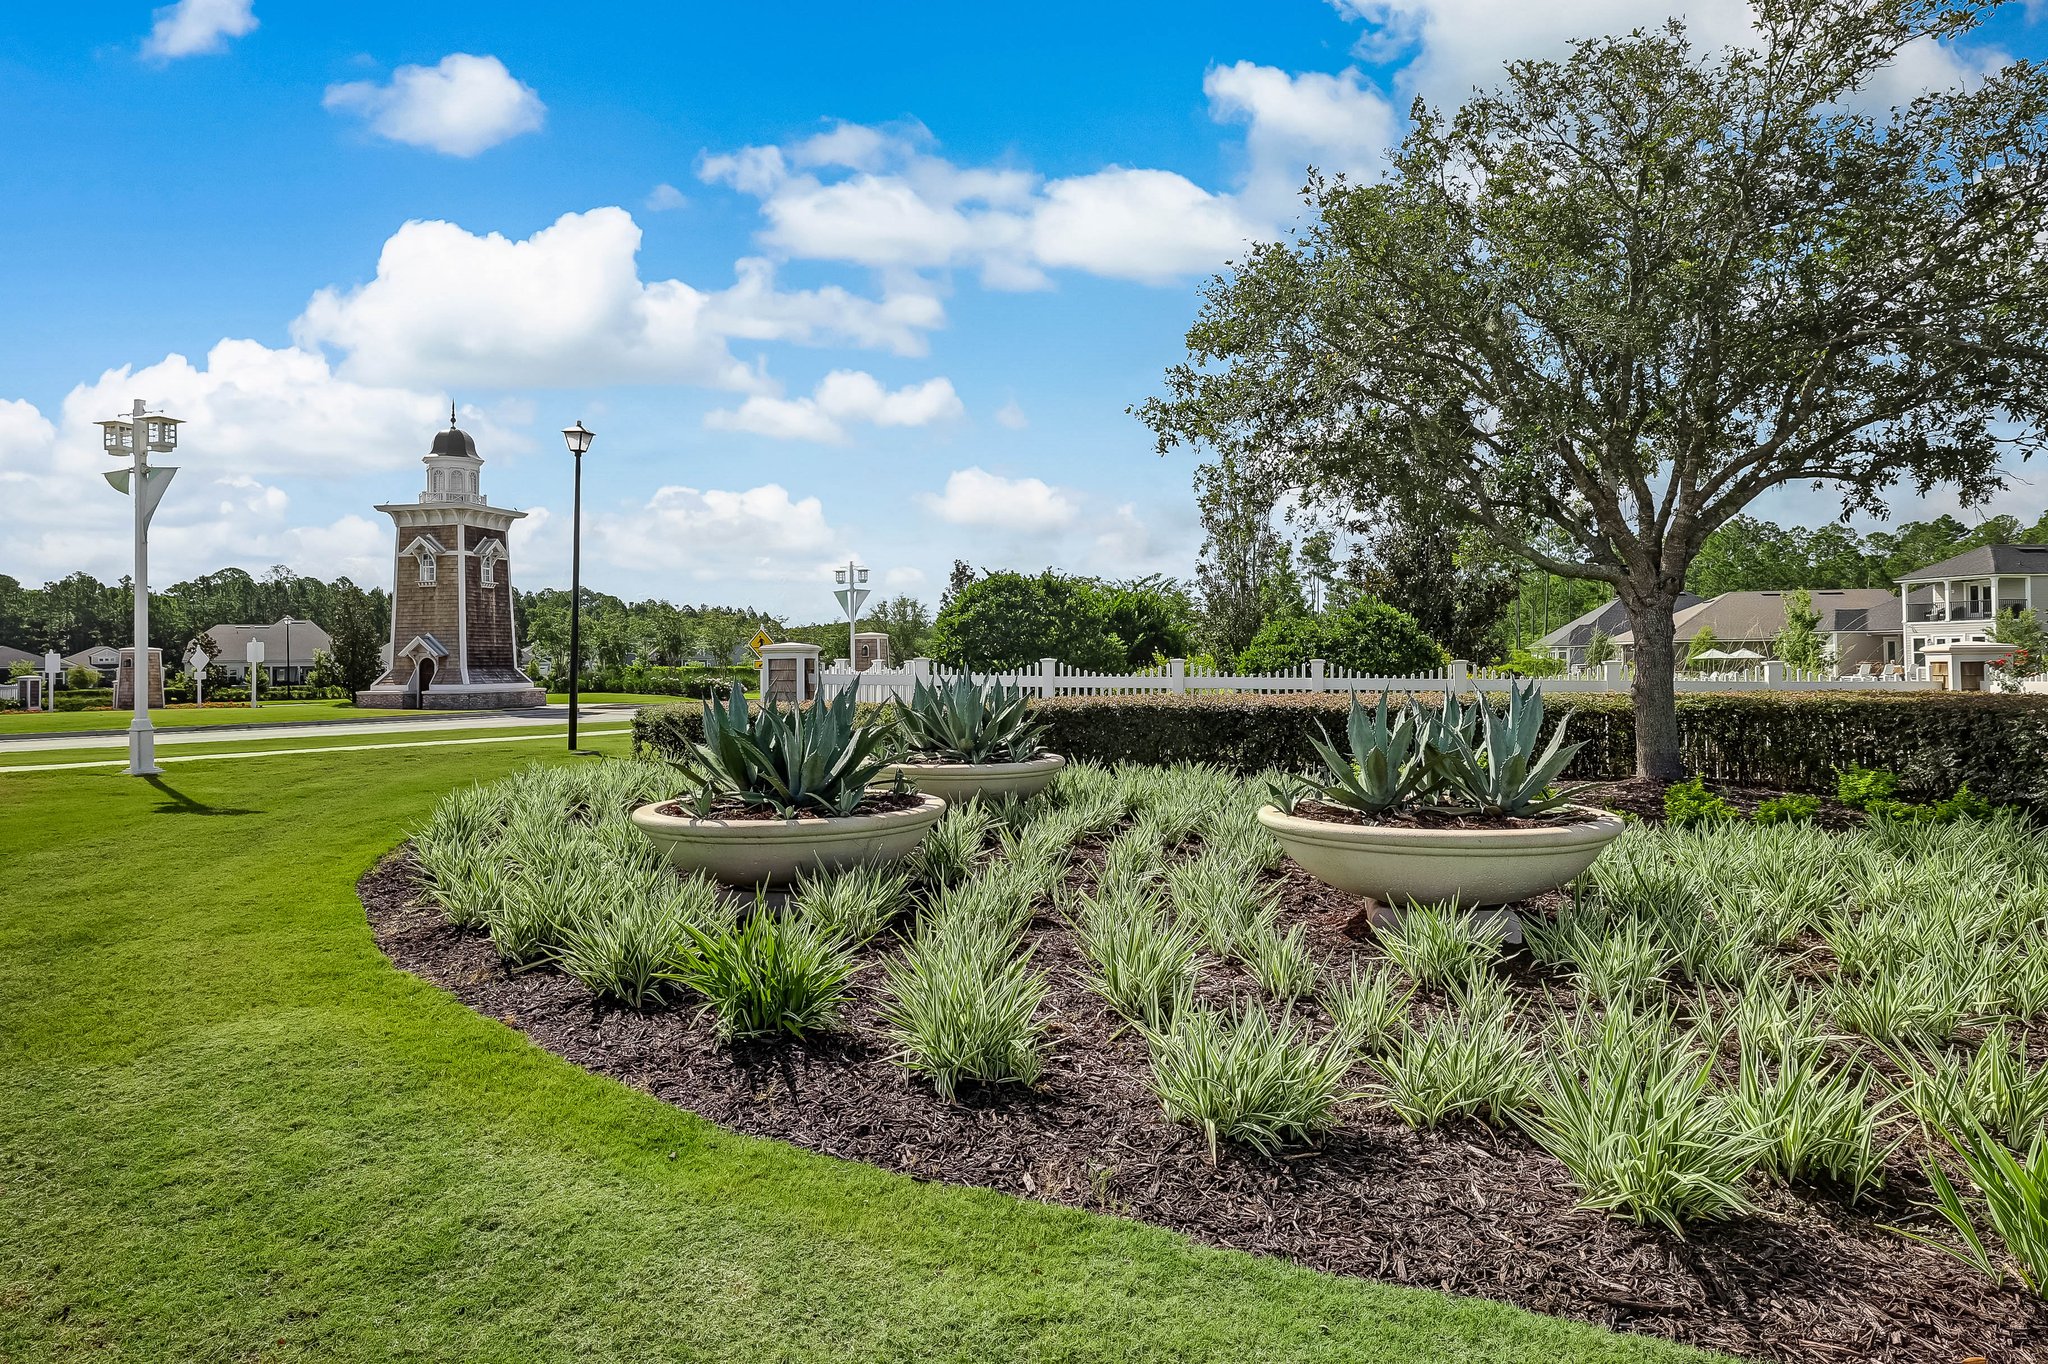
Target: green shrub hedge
x,y
1794,741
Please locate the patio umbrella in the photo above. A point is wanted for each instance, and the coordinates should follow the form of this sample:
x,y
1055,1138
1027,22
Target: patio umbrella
x,y
1743,653
1715,653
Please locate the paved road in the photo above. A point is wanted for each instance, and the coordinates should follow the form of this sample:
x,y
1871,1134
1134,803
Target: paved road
x,y
399,742
389,725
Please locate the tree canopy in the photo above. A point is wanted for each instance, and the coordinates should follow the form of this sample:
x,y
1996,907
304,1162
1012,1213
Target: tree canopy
x,y
1598,312
1010,620
1362,636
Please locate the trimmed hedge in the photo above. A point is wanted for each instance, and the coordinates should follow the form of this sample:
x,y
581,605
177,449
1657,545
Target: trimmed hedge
x,y
1793,741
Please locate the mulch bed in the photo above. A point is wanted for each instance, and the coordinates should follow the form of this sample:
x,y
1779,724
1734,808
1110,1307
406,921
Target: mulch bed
x,y
1465,1209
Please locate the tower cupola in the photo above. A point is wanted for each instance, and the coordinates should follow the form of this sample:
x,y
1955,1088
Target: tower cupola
x,y
453,467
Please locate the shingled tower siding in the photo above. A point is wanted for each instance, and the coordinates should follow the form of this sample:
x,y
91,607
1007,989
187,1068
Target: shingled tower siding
x,y
459,620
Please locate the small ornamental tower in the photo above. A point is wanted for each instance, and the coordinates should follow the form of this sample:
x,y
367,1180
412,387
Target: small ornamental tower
x,y
452,640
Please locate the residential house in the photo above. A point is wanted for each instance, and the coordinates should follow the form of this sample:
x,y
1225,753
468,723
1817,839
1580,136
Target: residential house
x,y
1569,641
101,658
1956,601
288,649
9,656
1859,625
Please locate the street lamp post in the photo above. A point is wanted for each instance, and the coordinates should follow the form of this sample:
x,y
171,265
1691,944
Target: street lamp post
x,y
578,440
135,436
852,592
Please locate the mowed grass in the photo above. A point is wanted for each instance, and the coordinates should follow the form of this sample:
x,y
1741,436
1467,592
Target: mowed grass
x,y
229,1130
181,717
116,749
620,698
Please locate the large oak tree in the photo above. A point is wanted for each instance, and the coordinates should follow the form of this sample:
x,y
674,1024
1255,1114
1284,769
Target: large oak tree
x,y
1598,312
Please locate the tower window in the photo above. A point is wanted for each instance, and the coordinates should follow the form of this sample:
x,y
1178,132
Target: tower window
x,y
489,556
426,570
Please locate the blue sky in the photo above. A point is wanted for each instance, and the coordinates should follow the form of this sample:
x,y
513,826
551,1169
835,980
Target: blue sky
x,y
825,280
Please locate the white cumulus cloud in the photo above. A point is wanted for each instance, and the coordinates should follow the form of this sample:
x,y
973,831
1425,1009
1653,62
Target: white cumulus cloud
x,y
699,543
976,497
567,306
462,105
843,398
192,27
880,196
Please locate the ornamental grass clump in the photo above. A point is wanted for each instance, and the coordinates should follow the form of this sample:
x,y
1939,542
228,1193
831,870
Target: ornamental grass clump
x,y
627,952
1817,1121
766,975
1633,1116
951,852
2012,1198
1995,1090
1611,960
960,720
1279,962
1366,1008
1471,1063
963,1006
1440,944
1144,967
789,760
1220,900
1241,1077
851,905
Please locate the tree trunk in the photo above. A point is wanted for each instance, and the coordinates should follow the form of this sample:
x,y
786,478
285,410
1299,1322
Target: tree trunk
x,y
1655,698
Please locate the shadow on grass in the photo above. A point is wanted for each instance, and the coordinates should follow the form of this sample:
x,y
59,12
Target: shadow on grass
x,y
176,802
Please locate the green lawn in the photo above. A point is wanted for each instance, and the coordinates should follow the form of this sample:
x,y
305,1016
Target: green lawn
x,y
230,1131
179,717
534,737
626,698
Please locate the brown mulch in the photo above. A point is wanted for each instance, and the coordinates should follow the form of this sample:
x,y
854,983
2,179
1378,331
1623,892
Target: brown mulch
x,y
874,803
1423,817
1464,1209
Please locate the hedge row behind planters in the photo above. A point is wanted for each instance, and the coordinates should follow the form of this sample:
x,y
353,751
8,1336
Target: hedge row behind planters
x,y
1793,741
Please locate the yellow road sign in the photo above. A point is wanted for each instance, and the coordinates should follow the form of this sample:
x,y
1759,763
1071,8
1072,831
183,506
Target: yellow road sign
x,y
759,642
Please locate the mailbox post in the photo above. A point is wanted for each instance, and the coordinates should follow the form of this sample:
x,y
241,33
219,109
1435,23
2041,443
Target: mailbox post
x,y
255,667
53,672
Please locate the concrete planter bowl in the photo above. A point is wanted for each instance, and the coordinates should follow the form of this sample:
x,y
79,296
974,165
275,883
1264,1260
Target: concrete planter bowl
x,y
1474,867
774,852
956,782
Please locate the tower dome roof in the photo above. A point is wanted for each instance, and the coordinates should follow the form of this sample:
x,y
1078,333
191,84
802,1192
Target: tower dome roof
x,y
453,441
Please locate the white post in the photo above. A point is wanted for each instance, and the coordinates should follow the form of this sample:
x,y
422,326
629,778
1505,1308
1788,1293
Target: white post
x,y
141,738
1177,673
254,654
1610,674
761,688
1774,672
1457,677
1047,667
1315,672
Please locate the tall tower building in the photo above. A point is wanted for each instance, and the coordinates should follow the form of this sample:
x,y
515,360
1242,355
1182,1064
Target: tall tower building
x,y
453,646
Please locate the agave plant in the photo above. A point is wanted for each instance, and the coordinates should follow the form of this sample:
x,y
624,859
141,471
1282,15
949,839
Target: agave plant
x,y
1383,768
964,721
1495,769
816,757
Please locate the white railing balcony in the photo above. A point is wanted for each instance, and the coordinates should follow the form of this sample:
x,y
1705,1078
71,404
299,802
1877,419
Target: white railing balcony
x,y
471,499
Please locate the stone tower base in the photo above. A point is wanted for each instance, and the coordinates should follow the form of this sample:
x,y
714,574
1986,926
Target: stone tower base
x,y
452,698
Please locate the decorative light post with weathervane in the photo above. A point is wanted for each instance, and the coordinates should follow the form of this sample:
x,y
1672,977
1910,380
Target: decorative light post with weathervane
x,y
852,593
135,436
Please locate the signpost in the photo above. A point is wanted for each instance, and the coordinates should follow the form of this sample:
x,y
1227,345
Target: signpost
x,y
255,667
195,663
759,642
53,666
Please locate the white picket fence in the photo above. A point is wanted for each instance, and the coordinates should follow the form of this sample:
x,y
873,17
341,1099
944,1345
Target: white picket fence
x,y
1053,678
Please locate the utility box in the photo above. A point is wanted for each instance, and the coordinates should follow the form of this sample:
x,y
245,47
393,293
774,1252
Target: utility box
x,y
124,680
870,650
789,673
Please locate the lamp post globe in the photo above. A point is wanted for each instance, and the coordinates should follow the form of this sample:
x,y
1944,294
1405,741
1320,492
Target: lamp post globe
x,y
577,438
